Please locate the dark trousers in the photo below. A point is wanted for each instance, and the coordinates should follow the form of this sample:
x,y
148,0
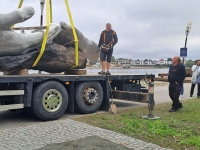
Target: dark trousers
x,y
192,89
174,92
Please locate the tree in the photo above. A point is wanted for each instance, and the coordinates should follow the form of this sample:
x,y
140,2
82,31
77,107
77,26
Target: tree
x,y
189,63
169,59
113,59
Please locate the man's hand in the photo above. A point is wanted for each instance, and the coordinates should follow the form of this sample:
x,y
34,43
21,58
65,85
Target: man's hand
x,y
98,49
111,46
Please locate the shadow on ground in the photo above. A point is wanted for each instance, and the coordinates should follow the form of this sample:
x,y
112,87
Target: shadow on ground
x,y
88,143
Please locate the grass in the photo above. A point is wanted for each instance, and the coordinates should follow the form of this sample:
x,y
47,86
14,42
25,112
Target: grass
x,y
179,130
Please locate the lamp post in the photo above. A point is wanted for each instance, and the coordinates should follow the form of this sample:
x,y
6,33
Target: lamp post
x,y
187,31
42,2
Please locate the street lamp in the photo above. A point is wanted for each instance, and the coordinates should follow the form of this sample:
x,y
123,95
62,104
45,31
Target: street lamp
x,y
42,2
187,31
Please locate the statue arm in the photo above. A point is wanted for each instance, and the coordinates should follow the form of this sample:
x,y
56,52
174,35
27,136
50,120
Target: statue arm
x,y
16,16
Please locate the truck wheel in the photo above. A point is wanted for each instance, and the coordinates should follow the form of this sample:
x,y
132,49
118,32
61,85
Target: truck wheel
x,y
89,97
50,100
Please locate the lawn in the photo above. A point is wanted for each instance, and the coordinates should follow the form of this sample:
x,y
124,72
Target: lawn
x,y
177,130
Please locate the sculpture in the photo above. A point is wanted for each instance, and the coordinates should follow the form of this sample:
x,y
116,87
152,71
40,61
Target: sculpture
x,y
13,43
19,51
87,46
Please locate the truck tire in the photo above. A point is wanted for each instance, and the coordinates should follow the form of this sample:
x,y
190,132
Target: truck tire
x,y
88,97
50,100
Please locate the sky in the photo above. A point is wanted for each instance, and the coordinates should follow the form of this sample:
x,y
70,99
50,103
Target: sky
x,y
151,29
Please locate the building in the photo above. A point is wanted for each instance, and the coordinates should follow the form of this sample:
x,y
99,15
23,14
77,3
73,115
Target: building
x,y
123,61
149,62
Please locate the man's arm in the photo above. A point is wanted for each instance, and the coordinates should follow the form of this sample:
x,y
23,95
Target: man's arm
x,y
100,40
183,73
115,38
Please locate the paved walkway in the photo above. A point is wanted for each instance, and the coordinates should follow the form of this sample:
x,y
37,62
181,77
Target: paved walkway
x,y
38,135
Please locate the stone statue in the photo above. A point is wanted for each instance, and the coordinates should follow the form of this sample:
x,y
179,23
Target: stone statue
x,y
13,43
88,47
19,51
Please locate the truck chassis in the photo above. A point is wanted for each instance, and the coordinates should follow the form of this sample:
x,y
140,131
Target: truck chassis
x,y
48,96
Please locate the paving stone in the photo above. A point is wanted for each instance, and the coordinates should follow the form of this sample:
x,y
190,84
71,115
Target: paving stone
x,y
39,135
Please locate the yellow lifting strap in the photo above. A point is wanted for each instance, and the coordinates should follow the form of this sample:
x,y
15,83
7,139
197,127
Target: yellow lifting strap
x,y
20,3
51,18
74,33
19,6
48,21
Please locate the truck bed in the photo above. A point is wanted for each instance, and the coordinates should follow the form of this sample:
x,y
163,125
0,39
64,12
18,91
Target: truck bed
x,y
62,77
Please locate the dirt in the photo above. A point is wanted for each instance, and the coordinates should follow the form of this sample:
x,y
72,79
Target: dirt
x,y
88,143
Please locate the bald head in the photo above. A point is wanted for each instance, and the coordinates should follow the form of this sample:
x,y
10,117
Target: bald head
x,y
176,60
108,26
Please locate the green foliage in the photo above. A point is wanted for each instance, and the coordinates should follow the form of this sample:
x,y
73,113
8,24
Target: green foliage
x,y
112,59
192,140
169,59
189,63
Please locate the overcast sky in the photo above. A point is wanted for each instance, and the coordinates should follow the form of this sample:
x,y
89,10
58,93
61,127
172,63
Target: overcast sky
x,y
151,29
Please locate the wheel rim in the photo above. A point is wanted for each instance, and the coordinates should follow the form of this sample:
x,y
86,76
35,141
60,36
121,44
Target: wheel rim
x,y
90,96
52,100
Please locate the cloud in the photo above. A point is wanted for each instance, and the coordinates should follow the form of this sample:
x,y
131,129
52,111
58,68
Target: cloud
x,y
145,29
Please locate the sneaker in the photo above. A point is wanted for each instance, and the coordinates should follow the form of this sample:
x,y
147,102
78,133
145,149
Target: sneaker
x,y
101,73
108,73
182,96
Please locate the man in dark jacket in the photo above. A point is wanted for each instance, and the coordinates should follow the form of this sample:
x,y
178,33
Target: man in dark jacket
x,y
176,77
108,38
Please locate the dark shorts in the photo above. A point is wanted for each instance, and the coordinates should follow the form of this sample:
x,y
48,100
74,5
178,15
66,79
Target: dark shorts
x,y
106,55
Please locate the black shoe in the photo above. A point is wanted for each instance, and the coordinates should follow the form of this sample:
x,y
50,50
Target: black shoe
x,y
102,73
181,106
172,110
108,73
190,95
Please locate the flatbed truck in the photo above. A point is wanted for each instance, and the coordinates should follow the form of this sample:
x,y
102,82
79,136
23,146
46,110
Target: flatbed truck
x,y
49,96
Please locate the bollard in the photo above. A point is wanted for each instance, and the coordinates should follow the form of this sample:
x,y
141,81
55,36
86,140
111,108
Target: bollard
x,y
151,101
